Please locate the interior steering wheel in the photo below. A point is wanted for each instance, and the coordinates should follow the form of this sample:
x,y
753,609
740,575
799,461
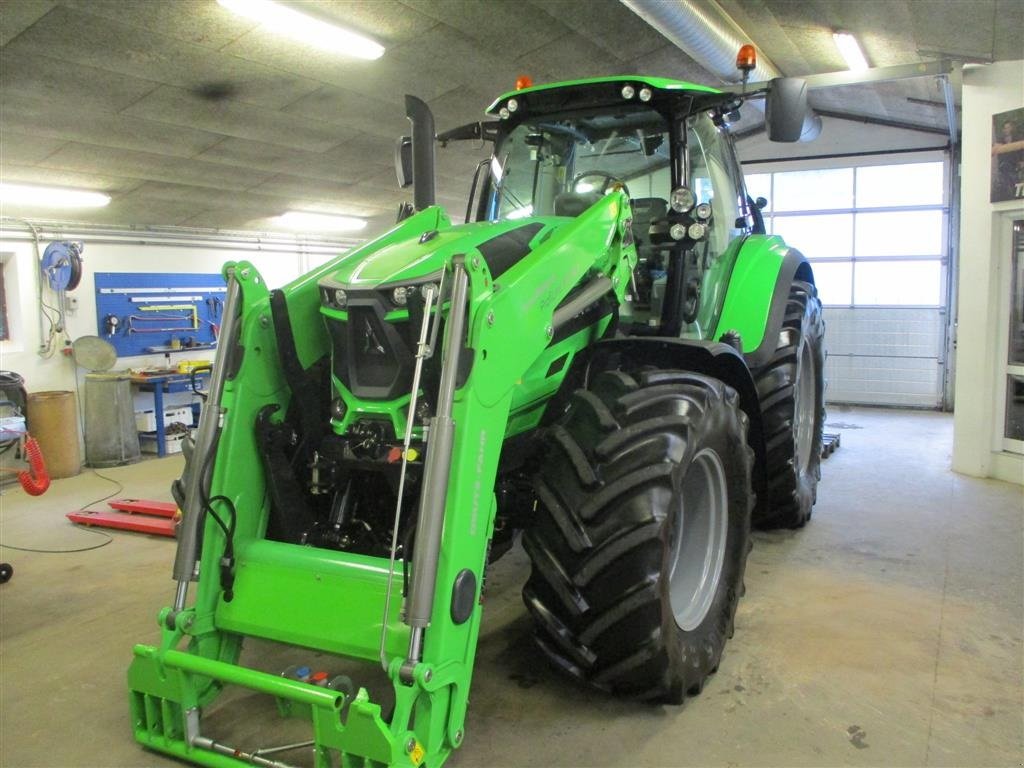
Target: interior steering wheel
x,y
607,180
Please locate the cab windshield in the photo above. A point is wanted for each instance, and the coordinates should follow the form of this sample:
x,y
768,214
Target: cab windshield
x,y
556,166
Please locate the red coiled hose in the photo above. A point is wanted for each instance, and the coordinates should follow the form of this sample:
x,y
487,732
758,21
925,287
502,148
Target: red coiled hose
x,y
36,480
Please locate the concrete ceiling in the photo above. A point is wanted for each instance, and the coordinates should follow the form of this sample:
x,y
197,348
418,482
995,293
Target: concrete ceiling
x,y
189,115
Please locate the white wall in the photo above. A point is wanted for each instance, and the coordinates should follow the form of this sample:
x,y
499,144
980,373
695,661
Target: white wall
x,y
984,279
278,265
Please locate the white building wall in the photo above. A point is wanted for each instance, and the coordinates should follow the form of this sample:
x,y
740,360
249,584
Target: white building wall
x,y
277,264
984,279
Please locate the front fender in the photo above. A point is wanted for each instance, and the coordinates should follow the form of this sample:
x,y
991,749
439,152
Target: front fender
x,y
755,300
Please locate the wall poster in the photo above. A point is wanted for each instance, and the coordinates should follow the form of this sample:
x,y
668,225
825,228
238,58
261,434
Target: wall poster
x,y
1008,156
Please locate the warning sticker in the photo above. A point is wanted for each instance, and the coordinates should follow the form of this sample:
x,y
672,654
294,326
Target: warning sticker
x,y
417,754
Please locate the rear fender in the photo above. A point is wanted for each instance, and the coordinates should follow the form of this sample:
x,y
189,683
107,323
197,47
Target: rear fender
x,y
709,358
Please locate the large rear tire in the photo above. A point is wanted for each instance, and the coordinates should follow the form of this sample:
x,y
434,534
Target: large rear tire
x,y
642,533
791,389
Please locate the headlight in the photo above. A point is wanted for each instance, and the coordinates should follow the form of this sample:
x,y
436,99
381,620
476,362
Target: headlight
x,y
682,200
400,295
512,105
429,287
696,231
703,211
503,113
645,94
628,91
677,231
340,299
338,409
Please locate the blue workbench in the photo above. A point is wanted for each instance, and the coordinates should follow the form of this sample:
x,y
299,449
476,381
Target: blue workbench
x,y
161,384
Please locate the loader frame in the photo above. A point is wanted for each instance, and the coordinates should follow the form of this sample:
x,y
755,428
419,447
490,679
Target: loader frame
x,y
281,591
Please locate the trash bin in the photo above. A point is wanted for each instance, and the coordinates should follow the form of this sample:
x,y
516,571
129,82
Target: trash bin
x,y
53,422
110,436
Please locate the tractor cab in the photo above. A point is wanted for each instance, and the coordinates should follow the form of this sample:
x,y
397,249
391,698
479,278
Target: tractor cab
x,y
559,149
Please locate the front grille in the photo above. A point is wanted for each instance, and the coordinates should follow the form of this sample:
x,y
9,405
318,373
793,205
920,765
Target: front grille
x,y
371,356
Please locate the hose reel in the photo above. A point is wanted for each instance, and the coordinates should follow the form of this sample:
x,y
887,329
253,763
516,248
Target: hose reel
x,y
62,264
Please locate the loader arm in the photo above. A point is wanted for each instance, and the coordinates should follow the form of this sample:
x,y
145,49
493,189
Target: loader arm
x,y
333,601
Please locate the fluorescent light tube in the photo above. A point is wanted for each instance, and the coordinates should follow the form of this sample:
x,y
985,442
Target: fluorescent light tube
x,y
324,222
850,49
51,197
296,24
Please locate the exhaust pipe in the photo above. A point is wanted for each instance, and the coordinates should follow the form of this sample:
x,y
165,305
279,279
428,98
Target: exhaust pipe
x,y
422,120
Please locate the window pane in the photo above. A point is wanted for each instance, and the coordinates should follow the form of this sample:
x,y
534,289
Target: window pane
x,y
760,185
1014,427
823,236
898,282
1016,352
813,190
834,282
910,184
901,233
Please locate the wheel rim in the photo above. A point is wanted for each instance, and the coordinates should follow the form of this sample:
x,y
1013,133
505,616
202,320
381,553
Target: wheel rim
x,y
698,540
805,400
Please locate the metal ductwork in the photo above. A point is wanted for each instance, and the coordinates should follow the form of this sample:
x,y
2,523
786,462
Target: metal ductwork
x,y
711,38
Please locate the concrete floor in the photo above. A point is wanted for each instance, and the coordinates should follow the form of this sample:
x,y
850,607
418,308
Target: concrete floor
x,y
886,633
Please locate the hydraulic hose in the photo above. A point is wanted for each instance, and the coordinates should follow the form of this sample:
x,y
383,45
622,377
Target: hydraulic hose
x,y
36,479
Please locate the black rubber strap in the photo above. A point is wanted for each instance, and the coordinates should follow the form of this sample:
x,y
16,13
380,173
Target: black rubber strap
x,y
304,388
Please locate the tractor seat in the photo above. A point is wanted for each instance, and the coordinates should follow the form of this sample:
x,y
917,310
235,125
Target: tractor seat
x,y
646,210
574,203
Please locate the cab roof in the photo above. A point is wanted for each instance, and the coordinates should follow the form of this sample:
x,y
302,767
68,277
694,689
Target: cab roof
x,y
655,83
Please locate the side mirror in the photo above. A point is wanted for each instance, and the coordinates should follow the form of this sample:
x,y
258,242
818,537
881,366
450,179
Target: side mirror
x,y
403,161
786,108
761,202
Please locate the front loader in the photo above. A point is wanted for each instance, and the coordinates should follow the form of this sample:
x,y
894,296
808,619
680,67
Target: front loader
x,y
609,356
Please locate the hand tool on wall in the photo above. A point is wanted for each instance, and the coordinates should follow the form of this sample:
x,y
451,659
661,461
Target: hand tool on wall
x,y
133,319
172,307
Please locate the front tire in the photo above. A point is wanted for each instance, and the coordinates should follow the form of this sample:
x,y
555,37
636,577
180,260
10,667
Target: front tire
x,y
642,533
791,389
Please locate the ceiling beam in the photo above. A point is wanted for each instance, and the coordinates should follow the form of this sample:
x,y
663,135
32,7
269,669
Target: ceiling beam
x,y
940,68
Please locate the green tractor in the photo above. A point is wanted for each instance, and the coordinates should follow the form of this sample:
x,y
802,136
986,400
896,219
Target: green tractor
x,y
609,358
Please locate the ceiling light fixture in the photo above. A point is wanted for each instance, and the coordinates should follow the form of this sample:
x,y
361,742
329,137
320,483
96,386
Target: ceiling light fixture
x,y
323,222
309,29
51,197
850,49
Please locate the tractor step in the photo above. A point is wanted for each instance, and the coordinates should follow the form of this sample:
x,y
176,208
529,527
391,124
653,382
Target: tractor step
x,y
829,443
139,515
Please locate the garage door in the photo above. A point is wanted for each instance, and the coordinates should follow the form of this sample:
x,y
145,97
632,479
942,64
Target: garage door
x,y
876,237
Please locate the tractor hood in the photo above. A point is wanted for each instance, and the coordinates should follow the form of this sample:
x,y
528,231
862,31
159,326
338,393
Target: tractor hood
x,y
370,298
420,257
